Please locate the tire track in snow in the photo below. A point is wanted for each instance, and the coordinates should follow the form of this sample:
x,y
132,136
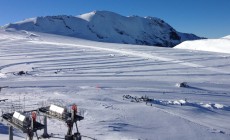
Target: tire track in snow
x,y
135,53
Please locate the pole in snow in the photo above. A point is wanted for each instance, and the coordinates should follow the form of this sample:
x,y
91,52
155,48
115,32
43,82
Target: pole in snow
x,y
11,133
45,133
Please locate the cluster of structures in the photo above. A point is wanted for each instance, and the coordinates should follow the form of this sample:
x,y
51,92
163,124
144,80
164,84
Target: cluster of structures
x,y
26,121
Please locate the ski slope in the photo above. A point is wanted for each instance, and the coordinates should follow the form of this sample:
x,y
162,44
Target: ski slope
x,y
96,76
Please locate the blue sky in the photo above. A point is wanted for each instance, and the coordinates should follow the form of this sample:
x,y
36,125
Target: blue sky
x,y
208,18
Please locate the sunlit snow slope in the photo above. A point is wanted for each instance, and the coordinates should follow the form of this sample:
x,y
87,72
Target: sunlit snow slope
x,y
221,45
105,26
95,76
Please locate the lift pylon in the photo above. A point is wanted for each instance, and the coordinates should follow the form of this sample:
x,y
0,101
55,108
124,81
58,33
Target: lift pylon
x,y
62,114
23,122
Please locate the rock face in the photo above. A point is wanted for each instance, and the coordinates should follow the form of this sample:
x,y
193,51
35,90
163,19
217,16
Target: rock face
x,y
107,26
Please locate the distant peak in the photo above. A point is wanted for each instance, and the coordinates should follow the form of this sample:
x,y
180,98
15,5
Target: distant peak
x,y
108,13
107,26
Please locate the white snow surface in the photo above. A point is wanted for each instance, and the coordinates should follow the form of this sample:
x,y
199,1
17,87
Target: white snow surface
x,y
2,75
105,26
221,45
227,37
64,70
219,106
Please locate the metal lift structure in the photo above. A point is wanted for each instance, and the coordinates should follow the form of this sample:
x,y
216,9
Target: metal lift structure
x,y
69,117
26,122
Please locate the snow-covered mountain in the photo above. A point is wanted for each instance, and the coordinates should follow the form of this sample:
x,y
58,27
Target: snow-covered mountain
x,y
107,26
213,45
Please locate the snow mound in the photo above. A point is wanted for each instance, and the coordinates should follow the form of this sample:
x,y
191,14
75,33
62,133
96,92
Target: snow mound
x,y
219,106
226,37
206,105
221,45
107,26
2,75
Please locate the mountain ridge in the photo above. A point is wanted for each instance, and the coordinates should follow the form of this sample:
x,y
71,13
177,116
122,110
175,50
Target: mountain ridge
x,y
105,26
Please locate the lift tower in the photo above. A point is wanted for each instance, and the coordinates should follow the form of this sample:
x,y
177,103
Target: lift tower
x,y
24,122
69,117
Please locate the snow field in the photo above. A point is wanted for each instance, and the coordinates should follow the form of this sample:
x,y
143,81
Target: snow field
x,y
95,76
221,45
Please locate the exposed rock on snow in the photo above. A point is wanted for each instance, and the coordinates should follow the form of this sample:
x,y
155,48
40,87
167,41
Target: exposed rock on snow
x,y
213,45
147,100
183,84
21,73
106,26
